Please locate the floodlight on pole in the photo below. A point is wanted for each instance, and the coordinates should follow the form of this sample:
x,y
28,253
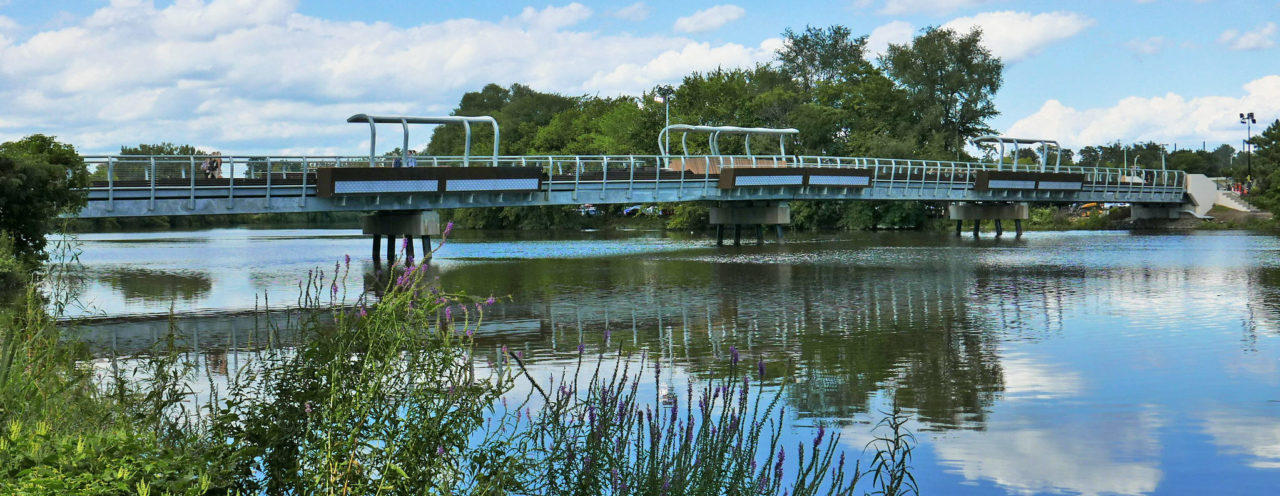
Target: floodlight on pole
x,y
1248,120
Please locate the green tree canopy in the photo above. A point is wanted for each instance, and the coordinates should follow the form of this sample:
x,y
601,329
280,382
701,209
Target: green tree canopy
x,y
40,178
950,80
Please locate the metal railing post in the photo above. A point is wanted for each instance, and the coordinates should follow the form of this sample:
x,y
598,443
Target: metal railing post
x,y
302,196
152,205
577,175
191,204
111,184
268,182
631,177
231,184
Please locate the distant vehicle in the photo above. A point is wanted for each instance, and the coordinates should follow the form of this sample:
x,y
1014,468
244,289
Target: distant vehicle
x,y
588,210
632,210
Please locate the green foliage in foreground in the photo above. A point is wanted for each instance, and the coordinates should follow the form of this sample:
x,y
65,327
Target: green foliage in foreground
x,y
40,179
389,398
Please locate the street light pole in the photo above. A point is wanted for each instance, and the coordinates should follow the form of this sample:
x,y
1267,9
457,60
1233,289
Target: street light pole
x,y
1248,121
665,91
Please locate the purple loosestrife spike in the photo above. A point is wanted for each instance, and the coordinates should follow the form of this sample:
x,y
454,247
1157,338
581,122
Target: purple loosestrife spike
x,y
469,332
307,406
520,354
362,312
818,440
404,245
777,468
733,355
348,260
448,228
489,301
760,368
334,289
581,348
440,451
448,313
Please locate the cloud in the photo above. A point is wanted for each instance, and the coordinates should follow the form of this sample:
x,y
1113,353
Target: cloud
x,y
1256,437
1258,39
1162,119
257,76
635,12
897,7
1014,36
709,19
552,18
896,32
1149,46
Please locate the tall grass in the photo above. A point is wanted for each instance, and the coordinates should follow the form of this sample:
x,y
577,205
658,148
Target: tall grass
x,y
387,397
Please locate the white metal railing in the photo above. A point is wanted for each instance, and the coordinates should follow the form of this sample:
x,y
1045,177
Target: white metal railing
x,y
114,174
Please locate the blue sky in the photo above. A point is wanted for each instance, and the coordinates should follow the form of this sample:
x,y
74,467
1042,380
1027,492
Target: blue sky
x,y
281,75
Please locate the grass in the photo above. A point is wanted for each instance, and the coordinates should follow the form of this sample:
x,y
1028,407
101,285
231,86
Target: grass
x,y
386,397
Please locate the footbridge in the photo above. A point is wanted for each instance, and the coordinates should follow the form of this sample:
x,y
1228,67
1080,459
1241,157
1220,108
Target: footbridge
x,y
760,183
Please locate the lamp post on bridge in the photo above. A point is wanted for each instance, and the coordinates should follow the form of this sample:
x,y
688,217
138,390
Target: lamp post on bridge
x,y
664,93
1248,121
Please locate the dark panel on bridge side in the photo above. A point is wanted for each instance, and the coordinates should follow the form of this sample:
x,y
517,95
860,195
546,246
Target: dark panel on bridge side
x,y
988,180
381,180
740,177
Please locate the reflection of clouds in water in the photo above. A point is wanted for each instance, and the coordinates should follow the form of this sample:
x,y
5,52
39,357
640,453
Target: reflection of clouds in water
x,y
1085,458
1026,378
1255,437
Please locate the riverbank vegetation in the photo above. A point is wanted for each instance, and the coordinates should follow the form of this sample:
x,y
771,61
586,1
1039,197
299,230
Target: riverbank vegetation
x,y
40,179
392,396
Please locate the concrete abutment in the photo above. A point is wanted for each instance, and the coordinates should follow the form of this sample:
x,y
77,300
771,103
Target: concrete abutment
x,y
758,214
395,225
998,212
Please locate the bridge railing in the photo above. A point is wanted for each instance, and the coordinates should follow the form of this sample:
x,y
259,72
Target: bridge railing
x,y
113,174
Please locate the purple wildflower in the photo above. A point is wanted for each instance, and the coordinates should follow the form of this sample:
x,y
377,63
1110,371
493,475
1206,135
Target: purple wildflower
x,y
348,257
520,354
307,407
760,368
448,313
440,451
404,245
777,468
818,440
581,348
733,355
489,301
469,332
362,312
333,290
448,228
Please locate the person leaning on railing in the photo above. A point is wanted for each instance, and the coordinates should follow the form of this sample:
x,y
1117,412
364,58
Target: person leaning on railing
x,y
212,166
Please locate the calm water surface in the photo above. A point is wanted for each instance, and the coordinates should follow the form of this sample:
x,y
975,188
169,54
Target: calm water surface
x,y
1091,363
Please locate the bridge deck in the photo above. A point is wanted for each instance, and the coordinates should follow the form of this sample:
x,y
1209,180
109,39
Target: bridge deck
x,y
136,186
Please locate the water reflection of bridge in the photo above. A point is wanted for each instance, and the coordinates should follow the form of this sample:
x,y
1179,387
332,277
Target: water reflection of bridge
x,y
932,329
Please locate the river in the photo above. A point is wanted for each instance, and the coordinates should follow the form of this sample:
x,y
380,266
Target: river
x,y
1064,362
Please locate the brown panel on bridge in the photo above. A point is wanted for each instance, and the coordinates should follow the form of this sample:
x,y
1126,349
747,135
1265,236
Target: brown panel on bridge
x,y
328,176
712,165
729,176
1030,180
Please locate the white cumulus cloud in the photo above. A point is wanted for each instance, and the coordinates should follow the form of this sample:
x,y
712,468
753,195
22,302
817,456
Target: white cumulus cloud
x,y
709,19
256,76
1162,119
553,17
1014,36
896,32
635,12
1258,39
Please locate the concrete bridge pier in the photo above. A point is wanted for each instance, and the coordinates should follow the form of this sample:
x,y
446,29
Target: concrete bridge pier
x,y
999,212
758,214
396,224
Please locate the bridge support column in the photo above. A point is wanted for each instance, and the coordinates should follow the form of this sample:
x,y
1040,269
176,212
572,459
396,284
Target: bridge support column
x,y
377,246
758,214
1139,211
959,227
720,235
401,224
1017,224
977,212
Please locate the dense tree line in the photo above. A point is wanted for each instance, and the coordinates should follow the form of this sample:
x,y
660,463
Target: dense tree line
x,y
923,99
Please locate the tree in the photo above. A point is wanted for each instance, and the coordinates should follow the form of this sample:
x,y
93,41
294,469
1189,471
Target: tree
x,y
950,80
1266,168
821,55
40,179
